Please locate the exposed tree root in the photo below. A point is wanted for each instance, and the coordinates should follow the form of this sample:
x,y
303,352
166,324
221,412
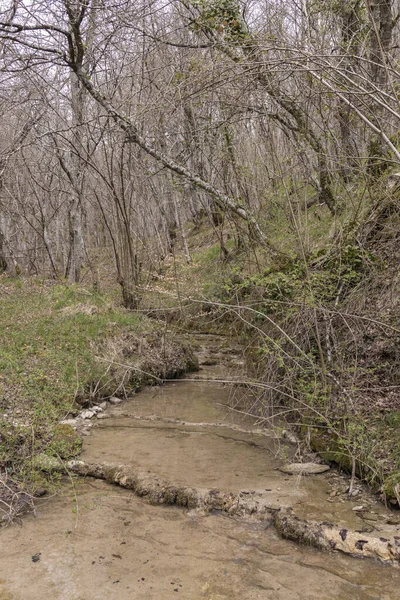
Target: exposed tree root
x,y
325,536
330,537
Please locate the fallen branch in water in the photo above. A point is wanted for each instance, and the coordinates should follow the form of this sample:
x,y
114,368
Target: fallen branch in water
x,y
325,536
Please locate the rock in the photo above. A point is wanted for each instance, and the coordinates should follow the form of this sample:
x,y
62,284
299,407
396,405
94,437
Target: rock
x,y
103,405
70,422
358,508
87,414
304,469
393,520
103,416
274,506
354,493
96,409
324,535
114,400
288,435
369,516
331,537
393,181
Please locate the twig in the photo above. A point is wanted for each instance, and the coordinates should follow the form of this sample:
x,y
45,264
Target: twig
x,y
130,367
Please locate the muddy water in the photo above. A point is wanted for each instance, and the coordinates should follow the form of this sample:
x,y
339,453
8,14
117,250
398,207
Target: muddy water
x,y
97,541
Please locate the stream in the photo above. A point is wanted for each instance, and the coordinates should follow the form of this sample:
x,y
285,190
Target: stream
x,y
96,541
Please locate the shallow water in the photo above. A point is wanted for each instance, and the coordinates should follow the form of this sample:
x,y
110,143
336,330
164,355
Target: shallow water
x,y
98,541
118,547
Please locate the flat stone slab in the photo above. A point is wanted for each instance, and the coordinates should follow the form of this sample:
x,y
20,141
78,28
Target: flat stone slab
x,y
304,468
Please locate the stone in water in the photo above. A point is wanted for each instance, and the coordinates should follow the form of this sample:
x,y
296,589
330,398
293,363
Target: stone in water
x,y
304,468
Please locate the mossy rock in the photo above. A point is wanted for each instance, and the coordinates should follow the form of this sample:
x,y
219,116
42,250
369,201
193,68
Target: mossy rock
x,y
328,448
65,442
391,487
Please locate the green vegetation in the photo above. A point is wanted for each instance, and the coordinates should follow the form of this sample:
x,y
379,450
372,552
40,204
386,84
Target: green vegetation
x,y
323,327
46,358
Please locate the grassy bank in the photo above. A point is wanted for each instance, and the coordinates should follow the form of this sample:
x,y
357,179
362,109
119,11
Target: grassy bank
x,y
62,347
46,345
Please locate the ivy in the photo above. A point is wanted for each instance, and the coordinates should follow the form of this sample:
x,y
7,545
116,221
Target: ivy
x,y
223,17
325,277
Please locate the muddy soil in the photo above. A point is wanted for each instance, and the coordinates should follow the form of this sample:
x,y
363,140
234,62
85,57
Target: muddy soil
x,y
98,541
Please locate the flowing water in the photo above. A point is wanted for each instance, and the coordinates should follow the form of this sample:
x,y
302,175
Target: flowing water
x,y
96,541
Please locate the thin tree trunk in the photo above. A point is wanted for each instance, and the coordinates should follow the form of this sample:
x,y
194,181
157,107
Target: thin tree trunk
x,y
3,260
77,168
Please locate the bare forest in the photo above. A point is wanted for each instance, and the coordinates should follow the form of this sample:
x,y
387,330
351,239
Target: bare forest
x,y
229,167
123,121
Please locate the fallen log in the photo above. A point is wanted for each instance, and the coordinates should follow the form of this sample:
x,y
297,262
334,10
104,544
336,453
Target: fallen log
x,y
159,491
328,536
322,535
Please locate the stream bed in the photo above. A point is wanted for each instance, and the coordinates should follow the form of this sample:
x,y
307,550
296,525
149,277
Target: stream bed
x,y
98,541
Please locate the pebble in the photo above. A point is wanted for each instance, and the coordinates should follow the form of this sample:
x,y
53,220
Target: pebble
x,y
288,435
369,516
87,414
275,505
393,521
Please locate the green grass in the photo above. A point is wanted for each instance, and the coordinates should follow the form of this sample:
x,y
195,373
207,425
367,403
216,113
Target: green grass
x,y
46,352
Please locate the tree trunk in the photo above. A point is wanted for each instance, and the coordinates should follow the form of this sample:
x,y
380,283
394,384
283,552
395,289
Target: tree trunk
x,y
381,31
3,261
77,175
